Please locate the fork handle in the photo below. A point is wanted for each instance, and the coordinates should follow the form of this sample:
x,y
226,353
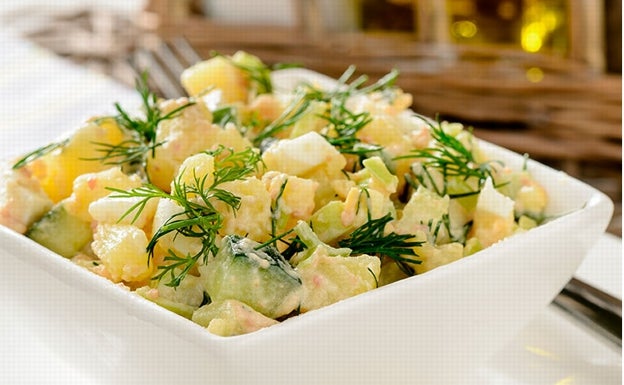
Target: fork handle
x,y
600,311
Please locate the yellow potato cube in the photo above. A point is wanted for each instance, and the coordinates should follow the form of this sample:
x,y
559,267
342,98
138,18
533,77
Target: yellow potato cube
x,y
58,169
178,243
493,216
196,168
122,250
293,197
22,200
433,256
187,134
329,279
230,317
253,218
219,74
93,186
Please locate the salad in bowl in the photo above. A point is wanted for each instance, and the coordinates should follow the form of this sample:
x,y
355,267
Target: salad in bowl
x,y
268,196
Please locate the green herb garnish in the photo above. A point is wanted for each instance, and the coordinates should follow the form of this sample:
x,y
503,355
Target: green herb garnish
x,y
143,130
38,153
198,217
452,159
344,123
293,112
372,239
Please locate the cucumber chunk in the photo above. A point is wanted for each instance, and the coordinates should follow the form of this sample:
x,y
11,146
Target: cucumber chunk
x,y
61,232
260,278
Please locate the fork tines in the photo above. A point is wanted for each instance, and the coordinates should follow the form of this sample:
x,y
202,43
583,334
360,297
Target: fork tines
x,y
164,65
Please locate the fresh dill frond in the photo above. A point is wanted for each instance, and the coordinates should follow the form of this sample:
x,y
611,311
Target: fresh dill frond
x,y
231,165
198,217
293,113
343,124
38,153
142,129
129,152
452,159
275,208
372,239
224,115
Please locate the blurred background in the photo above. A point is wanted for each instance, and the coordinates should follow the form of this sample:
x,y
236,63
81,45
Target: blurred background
x,y
541,77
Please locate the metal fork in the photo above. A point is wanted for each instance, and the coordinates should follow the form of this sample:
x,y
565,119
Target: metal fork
x,y
165,64
596,309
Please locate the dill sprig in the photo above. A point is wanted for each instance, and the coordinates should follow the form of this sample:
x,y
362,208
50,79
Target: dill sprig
x,y
345,123
38,153
275,209
131,152
143,130
198,218
372,239
451,158
291,114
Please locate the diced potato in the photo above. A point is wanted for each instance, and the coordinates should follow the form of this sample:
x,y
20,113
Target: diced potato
x,y
433,256
22,200
253,217
381,102
266,107
122,250
217,73
531,197
293,197
198,167
423,212
58,169
187,134
389,132
390,272
230,318
332,183
493,216
183,299
329,279
362,204
178,243
88,188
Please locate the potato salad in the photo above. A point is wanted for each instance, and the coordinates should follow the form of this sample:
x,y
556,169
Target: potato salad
x,y
245,204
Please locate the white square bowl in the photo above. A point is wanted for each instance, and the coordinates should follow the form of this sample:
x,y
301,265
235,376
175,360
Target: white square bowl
x,y
428,329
